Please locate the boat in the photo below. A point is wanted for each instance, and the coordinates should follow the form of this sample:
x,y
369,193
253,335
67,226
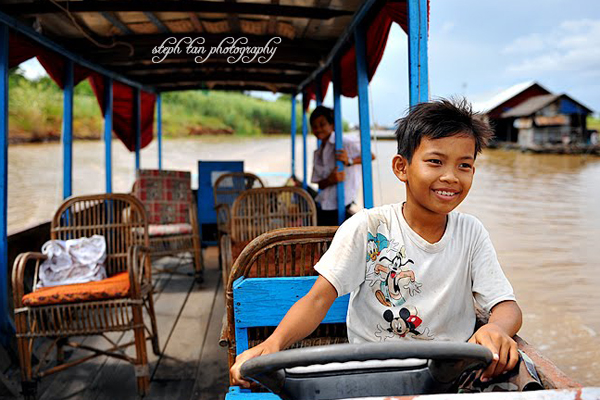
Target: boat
x,y
132,52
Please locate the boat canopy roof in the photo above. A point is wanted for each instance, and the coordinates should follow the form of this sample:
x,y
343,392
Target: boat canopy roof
x,y
122,39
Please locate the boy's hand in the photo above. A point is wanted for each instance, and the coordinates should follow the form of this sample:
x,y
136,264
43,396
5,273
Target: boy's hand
x,y
502,347
261,349
341,155
336,176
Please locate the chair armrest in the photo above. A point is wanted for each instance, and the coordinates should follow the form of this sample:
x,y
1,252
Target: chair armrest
x,y
226,255
224,338
139,267
18,275
223,217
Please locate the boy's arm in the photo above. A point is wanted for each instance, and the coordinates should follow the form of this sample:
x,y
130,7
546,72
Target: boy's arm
x,y
496,335
334,177
300,321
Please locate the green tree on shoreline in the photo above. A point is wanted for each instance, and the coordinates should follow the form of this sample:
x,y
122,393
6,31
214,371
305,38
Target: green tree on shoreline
x,y
35,112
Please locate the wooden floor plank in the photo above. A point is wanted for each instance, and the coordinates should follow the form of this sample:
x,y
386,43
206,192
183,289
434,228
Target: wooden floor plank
x,y
185,345
192,365
74,383
212,378
117,378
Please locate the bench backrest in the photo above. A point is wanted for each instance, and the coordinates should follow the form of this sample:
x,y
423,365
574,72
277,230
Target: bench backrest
x,y
263,302
166,195
257,211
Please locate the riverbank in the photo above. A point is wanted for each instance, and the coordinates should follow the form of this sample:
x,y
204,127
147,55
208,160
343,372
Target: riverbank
x,y
36,111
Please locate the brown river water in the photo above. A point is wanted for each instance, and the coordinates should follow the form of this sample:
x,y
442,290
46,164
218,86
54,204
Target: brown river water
x,y
542,212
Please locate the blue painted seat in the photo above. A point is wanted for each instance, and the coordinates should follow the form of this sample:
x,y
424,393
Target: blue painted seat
x,y
263,302
268,277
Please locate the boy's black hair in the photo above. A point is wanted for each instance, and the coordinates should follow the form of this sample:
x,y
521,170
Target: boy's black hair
x,y
438,119
322,111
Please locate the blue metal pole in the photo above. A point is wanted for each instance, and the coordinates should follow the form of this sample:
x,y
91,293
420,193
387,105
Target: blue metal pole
x,y
304,135
363,113
417,51
337,120
159,128
319,94
137,101
67,133
7,331
293,131
108,122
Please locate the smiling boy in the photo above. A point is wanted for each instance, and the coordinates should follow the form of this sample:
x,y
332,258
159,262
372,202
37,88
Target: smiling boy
x,y
416,269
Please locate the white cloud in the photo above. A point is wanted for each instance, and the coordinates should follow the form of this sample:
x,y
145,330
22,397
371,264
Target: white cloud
x,y
573,47
447,27
526,44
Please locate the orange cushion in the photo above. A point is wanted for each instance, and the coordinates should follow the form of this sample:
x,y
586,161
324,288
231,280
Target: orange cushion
x,y
115,287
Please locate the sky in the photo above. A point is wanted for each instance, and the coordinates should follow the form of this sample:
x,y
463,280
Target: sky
x,y
478,48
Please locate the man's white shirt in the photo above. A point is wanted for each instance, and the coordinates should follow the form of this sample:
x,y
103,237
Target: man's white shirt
x,y
324,163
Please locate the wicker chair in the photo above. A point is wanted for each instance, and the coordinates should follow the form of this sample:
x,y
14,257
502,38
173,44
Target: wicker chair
x,y
227,188
173,226
257,211
95,308
280,253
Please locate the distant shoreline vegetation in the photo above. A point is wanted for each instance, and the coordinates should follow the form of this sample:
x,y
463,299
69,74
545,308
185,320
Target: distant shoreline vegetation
x,y
35,112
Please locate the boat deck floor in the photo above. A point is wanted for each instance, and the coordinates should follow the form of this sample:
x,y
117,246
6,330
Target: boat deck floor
x,y
191,364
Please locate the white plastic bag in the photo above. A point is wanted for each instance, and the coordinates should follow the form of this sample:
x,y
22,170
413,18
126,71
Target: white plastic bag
x,y
73,261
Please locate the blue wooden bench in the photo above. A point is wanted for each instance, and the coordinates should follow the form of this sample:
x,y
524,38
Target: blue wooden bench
x,y
263,302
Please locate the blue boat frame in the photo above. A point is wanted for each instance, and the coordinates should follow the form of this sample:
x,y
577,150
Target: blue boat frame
x,y
418,87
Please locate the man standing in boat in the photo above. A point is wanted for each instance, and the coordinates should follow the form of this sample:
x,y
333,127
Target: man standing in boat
x,y
325,172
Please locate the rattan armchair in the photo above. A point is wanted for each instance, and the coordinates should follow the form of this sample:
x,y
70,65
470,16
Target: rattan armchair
x,y
257,211
172,224
226,189
114,304
280,253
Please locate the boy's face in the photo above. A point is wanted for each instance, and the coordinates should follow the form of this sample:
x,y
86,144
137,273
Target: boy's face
x,y
321,128
440,174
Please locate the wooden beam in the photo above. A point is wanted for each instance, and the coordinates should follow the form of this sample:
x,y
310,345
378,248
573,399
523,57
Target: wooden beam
x,y
314,23
121,55
157,22
233,19
145,43
137,68
196,22
114,19
272,28
45,7
158,79
254,86
79,24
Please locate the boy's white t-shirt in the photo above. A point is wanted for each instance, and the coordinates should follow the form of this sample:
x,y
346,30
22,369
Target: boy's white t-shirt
x,y
405,287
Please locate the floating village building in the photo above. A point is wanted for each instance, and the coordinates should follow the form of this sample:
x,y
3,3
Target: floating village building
x,y
530,117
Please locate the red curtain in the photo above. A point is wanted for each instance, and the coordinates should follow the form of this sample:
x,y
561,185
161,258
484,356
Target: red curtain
x,y
21,49
123,109
376,40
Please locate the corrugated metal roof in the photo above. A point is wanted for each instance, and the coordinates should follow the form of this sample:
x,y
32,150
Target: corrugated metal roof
x,y
530,106
501,97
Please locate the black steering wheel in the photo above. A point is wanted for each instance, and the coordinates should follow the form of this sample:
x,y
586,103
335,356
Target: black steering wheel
x,y
351,370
